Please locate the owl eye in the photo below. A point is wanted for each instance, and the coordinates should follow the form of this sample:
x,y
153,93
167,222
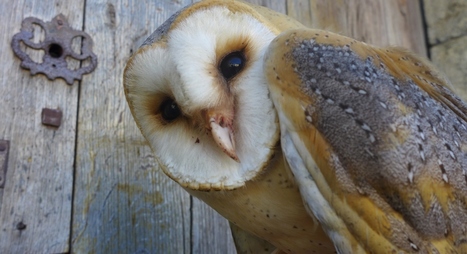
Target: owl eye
x,y
232,64
170,110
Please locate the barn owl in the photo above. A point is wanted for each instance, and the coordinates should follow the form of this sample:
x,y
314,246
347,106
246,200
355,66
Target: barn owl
x,y
306,139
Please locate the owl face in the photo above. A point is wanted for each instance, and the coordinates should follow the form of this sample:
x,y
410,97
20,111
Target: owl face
x,y
198,93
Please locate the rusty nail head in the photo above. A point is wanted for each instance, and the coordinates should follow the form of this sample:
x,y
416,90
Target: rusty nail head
x,y
4,150
51,117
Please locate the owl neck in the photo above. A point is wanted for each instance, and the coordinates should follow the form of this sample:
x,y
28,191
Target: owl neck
x,y
270,207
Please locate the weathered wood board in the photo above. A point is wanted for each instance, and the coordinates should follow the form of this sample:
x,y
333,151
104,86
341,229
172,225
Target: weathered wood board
x,y
93,185
447,38
123,203
35,213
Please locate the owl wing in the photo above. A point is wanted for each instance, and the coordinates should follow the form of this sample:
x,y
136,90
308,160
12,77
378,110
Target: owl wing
x,y
376,141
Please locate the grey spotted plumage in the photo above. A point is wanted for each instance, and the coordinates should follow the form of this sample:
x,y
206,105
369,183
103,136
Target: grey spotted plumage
x,y
388,156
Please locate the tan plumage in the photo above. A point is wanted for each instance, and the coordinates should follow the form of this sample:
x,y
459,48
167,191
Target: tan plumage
x,y
372,140
387,137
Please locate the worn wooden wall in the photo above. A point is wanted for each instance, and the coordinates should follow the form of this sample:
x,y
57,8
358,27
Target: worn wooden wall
x,y
92,185
447,39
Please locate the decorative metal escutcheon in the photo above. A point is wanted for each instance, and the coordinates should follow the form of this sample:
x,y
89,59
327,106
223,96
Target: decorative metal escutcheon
x,y
57,46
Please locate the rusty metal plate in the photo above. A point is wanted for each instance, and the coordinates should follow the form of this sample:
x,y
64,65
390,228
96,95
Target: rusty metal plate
x,y
4,150
51,117
57,47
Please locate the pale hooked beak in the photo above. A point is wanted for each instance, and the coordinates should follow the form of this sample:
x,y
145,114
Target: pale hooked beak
x,y
224,136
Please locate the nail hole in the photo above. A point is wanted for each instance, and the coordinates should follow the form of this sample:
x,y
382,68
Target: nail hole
x,y
21,226
55,50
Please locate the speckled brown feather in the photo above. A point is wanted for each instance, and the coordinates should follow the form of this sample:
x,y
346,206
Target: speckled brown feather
x,y
387,134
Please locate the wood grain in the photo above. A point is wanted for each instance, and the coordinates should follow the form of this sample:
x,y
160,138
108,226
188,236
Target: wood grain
x,y
38,189
277,5
378,22
300,10
447,32
123,202
211,232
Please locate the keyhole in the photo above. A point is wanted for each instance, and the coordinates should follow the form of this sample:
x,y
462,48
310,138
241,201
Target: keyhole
x,y
55,50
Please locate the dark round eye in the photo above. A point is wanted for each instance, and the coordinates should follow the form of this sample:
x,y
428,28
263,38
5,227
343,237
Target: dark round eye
x,y
232,64
169,110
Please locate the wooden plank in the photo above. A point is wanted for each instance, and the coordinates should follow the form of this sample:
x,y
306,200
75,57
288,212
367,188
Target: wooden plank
x,y
38,189
451,58
448,49
123,203
445,20
211,232
300,10
277,5
379,22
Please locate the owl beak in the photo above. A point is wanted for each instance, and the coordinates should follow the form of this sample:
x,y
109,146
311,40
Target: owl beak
x,y
223,135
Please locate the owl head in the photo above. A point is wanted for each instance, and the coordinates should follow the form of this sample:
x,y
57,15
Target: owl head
x,y
197,91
